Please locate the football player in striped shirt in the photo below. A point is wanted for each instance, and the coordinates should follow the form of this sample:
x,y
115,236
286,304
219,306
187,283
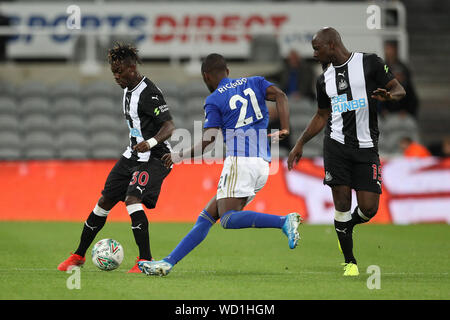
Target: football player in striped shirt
x,y
137,176
237,107
347,95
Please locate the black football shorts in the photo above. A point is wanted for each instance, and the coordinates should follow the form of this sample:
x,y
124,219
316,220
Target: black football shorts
x,y
358,168
140,179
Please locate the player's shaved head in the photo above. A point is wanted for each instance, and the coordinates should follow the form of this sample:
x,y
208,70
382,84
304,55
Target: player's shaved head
x,y
328,47
328,35
214,63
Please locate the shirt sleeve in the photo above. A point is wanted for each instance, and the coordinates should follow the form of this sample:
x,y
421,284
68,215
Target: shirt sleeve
x,y
264,84
213,118
155,106
381,71
323,101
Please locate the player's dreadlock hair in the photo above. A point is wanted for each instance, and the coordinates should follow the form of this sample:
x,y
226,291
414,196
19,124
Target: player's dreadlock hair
x,y
123,53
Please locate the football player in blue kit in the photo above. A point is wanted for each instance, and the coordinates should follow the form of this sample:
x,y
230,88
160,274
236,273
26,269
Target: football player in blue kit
x,y
238,108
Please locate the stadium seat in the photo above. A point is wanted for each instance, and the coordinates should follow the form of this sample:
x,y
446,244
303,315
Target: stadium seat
x,y
302,107
37,122
314,147
7,89
73,145
168,88
194,106
112,124
33,89
174,104
8,105
106,145
70,122
9,122
103,105
99,89
68,105
10,145
392,129
10,153
194,89
66,89
34,105
39,145
298,123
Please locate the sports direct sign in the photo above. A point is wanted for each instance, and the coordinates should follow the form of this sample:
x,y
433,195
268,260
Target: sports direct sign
x,y
180,29
414,191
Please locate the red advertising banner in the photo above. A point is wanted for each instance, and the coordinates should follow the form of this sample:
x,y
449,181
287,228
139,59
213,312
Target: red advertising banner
x,y
414,191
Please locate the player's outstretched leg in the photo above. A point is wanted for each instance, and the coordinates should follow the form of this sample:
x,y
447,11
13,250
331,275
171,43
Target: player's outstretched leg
x,y
197,234
250,219
92,226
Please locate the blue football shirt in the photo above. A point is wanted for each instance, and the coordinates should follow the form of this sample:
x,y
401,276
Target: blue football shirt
x,y
238,107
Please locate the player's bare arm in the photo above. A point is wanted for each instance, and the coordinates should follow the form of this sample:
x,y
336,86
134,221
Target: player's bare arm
x,y
209,136
393,91
316,125
276,95
163,134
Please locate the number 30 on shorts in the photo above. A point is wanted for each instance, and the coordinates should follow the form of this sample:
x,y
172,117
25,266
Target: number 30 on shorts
x,y
376,172
140,177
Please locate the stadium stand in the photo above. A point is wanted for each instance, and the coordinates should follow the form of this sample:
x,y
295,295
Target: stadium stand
x,y
76,109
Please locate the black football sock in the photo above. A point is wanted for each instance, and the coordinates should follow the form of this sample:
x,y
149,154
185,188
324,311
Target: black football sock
x,y
344,232
92,226
139,225
357,218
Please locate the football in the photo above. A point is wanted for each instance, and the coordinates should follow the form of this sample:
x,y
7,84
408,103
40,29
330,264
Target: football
x,y
107,254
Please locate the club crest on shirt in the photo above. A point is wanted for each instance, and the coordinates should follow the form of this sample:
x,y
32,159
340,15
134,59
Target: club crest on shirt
x,y
342,84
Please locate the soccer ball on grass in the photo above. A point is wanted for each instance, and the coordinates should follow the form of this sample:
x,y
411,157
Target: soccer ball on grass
x,y
107,254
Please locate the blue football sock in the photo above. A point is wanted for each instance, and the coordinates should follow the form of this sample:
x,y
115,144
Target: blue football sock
x,y
193,238
251,219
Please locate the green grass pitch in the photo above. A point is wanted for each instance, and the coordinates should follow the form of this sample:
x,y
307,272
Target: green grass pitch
x,y
251,264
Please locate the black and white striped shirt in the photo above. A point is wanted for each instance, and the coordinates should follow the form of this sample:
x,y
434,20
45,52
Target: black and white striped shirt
x,y
347,89
145,110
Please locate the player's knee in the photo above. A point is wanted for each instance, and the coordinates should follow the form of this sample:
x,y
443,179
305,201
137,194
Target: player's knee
x,y
342,204
224,220
369,211
342,199
129,200
106,203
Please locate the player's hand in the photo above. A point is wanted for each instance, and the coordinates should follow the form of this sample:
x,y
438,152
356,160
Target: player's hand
x,y
294,156
278,135
142,147
170,158
381,95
